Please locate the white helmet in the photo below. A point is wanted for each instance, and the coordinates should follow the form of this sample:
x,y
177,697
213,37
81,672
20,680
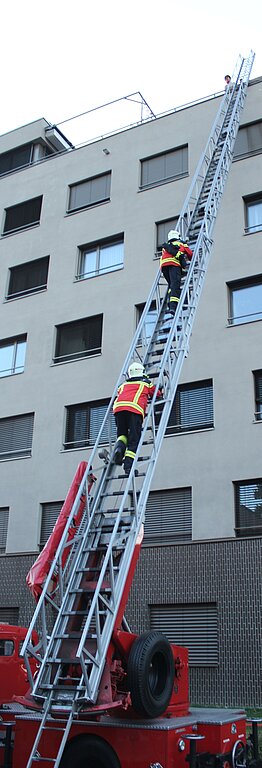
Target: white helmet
x,y
173,235
136,369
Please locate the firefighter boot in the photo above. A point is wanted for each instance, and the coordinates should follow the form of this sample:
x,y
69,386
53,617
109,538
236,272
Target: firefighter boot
x,y
119,450
128,462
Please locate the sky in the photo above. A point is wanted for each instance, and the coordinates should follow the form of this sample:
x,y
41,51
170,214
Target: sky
x,y
66,58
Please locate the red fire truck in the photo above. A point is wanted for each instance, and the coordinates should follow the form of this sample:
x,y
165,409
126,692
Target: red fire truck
x,y
99,695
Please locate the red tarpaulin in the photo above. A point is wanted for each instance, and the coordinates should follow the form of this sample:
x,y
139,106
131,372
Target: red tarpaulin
x,y
39,570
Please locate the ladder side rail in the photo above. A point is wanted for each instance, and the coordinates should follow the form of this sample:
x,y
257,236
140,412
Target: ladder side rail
x,y
107,629
202,167
228,99
59,551
70,584
141,322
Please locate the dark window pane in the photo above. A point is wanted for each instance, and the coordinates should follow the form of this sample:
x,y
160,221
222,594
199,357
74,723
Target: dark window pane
x,y
248,501
23,215
78,339
4,517
84,422
16,158
258,395
29,277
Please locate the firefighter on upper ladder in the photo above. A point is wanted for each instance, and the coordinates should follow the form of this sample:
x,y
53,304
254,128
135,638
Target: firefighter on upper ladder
x,y
173,262
129,409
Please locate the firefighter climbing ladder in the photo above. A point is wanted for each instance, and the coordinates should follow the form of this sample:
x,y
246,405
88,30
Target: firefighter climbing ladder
x,y
105,541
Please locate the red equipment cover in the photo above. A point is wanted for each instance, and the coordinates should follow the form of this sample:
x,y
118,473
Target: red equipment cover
x,y
40,568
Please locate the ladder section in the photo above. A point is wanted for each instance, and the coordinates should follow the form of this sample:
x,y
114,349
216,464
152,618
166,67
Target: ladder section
x,y
89,601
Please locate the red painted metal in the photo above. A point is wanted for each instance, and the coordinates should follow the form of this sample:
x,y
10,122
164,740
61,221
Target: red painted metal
x,y
40,568
13,673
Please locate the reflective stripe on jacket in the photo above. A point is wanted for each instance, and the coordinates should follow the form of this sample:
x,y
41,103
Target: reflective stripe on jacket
x,y
173,254
133,396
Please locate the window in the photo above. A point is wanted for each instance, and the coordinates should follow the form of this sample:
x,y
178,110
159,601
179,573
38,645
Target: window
x,y
83,422
150,320
258,394
79,339
100,258
12,356
6,647
28,278
16,436
192,408
249,140
248,508
165,167
4,517
162,229
89,192
15,158
49,515
245,300
193,625
23,215
168,516
9,616
253,214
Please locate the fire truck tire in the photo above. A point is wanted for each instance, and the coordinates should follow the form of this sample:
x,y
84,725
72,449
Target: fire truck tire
x,y
89,752
151,672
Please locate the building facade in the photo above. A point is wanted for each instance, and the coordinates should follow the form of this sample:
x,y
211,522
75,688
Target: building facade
x,y
81,230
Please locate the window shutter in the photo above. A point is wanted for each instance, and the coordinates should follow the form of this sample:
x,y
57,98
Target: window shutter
x,y
168,516
97,414
193,408
89,192
162,230
16,436
194,626
50,514
16,158
4,516
23,214
9,615
165,166
249,139
28,277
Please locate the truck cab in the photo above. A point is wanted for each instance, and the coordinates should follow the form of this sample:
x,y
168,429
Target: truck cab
x,y
13,673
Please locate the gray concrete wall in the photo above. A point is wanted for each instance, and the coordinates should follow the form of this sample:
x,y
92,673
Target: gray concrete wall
x,y
207,461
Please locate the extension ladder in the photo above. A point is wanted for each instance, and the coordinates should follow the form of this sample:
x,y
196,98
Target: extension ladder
x,y
90,587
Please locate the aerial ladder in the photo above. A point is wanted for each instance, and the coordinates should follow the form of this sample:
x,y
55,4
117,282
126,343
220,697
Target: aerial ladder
x,y
82,602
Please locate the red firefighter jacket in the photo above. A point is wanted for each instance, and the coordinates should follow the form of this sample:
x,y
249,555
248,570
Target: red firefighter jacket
x,y
173,254
133,395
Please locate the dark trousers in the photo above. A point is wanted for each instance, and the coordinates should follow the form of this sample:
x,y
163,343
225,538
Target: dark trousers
x,y
129,424
173,277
